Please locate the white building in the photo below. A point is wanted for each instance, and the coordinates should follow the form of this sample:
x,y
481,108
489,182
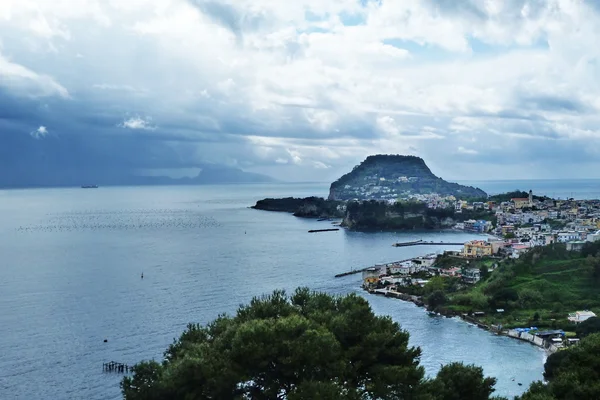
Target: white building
x,y
594,237
580,316
564,237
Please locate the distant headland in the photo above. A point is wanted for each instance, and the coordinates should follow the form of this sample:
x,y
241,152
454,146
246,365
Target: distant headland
x,y
391,177
388,192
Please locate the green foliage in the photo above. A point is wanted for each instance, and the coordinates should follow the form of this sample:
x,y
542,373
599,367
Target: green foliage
x,y
308,345
436,299
517,194
474,300
300,347
549,280
457,381
588,327
572,374
484,272
301,207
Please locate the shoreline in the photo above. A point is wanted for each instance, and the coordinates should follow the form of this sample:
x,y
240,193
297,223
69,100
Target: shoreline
x,y
543,344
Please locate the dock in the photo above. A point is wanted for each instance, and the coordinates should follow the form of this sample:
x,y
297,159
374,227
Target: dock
x,y
358,271
352,272
116,367
323,230
423,243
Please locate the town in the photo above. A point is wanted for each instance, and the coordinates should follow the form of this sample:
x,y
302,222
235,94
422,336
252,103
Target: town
x,y
518,226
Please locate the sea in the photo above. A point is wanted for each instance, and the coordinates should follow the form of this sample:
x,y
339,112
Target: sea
x,y
72,296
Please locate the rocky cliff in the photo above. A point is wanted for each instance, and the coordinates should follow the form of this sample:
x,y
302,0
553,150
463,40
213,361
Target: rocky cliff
x,y
376,215
383,177
310,207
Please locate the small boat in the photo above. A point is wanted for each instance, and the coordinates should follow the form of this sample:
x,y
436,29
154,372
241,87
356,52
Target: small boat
x,y
89,187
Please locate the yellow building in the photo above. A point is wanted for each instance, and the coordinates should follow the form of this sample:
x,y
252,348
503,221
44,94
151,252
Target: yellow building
x,y
477,248
521,202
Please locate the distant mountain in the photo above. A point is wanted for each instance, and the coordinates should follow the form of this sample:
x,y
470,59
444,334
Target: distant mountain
x,y
210,174
395,176
72,159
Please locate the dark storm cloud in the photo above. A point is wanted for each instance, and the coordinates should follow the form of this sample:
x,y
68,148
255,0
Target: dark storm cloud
x,y
229,17
465,7
554,103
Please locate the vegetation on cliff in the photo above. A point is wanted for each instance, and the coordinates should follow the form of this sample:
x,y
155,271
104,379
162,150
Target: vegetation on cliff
x,y
572,374
517,194
402,215
389,176
540,288
302,207
300,347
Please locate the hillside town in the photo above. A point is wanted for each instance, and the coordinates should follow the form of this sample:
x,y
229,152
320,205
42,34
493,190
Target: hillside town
x,y
521,224
516,227
524,223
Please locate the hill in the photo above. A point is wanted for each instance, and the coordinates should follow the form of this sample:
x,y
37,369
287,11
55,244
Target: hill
x,y
538,289
382,177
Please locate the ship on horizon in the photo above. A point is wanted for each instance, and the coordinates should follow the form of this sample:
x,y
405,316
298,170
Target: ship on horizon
x,y
89,186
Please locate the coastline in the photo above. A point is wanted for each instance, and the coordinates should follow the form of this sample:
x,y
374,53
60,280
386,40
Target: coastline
x,y
548,347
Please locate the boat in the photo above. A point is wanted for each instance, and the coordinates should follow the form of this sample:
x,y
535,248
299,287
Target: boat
x,y
89,187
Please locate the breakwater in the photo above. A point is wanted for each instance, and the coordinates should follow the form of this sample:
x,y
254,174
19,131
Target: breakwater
x,y
423,243
358,271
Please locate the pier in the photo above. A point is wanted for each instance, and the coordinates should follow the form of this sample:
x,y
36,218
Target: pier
x,y
116,367
423,243
358,271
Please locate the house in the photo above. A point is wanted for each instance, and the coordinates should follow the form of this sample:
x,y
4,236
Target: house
x,y
371,275
497,245
477,248
471,275
520,202
564,237
580,316
519,249
403,268
478,205
450,272
483,226
575,245
507,229
469,225
593,237
424,262
460,204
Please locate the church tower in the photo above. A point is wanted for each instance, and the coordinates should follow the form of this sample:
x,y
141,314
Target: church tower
x,y
530,198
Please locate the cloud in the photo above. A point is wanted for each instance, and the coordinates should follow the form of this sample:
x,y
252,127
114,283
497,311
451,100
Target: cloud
x,y
25,82
39,133
463,150
138,123
312,82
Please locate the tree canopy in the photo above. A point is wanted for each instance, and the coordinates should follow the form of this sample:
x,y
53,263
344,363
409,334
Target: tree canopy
x,y
304,346
572,374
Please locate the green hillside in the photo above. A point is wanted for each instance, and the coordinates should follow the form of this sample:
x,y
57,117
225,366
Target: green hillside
x,y
541,288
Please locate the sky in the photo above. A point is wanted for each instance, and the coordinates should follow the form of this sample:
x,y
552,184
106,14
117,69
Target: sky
x,y
300,90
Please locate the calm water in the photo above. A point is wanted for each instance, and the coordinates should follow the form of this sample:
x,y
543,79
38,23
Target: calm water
x,y
70,265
